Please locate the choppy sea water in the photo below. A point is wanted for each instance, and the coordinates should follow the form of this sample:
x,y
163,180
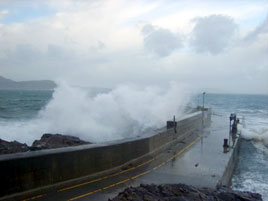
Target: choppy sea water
x,y
21,105
20,111
251,173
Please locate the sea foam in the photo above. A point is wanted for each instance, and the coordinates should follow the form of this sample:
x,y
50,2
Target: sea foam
x,y
256,134
123,112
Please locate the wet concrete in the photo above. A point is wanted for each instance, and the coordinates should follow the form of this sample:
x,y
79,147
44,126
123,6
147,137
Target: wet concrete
x,y
203,165
197,159
107,187
34,172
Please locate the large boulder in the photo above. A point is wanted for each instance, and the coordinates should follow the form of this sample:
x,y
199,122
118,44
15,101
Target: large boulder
x,y
50,141
182,192
12,147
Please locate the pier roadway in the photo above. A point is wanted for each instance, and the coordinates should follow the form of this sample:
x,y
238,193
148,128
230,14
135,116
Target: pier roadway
x,y
204,165
196,160
105,187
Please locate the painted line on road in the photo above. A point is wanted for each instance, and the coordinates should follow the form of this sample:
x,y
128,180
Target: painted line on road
x,y
127,170
116,184
187,147
160,165
35,197
87,194
82,184
100,189
183,150
145,163
139,175
106,177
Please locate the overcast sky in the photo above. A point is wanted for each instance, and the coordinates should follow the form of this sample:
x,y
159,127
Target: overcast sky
x,y
217,46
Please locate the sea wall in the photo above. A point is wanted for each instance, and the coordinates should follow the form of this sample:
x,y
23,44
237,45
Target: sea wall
x,y
226,179
31,170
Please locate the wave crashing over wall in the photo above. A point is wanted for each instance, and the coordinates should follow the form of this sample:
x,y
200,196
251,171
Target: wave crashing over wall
x,y
123,112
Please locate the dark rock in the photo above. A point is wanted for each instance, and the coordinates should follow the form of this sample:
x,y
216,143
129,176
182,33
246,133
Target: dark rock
x,y
182,192
12,147
50,141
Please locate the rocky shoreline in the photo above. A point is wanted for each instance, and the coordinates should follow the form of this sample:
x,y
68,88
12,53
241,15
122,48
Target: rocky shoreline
x,y
182,192
12,147
47,141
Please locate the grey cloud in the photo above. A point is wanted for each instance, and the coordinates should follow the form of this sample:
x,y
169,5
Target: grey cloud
x,y
161,42
56,52
213,33
101,45
262,28
147,29
98,47
29,62
25,53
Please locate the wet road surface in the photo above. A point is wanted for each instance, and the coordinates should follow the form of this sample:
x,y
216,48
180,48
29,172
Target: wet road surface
x,y
196,160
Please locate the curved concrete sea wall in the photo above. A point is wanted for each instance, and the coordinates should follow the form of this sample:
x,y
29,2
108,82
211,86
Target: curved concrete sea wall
x,y
31,170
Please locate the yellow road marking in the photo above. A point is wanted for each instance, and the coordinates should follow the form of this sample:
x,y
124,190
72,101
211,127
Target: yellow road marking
x,y
149,161
35,197
98,190
183,150
160,165
180,152
116,174
102,178
82,184
116,184
139,175
171,158
127,170
87,194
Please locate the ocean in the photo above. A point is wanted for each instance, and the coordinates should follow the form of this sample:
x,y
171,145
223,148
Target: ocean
x,y
22,105
251,172
25,115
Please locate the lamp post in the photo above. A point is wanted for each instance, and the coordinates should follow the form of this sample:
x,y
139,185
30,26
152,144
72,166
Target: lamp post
x,y
204,100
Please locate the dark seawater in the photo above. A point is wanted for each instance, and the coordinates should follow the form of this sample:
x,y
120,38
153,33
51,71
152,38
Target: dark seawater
x,y
21,105
20,110
252,169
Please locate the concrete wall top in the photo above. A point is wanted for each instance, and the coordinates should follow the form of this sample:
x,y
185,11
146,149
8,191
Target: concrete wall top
x,y
31,170
89,146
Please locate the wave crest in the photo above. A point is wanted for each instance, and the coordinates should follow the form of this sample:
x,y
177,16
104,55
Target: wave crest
x,y
257,135
124,112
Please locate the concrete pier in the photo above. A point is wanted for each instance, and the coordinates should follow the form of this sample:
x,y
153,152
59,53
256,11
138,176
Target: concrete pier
x,y
39,171
192,156
204,164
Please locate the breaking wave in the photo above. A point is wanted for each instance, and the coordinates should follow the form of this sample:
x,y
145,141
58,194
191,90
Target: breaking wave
x,y
124,112
256,134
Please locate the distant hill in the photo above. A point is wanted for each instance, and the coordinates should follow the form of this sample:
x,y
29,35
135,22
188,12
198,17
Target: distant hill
x,y
7,84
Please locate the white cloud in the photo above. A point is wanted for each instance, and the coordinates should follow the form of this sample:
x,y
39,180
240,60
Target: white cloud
x,y
213,33
160,41
104,43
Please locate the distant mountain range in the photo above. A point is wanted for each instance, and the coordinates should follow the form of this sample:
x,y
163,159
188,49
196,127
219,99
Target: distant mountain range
x,y
7,84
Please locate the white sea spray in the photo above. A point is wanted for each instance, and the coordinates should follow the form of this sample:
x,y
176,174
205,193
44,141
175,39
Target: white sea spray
x,y
123,112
